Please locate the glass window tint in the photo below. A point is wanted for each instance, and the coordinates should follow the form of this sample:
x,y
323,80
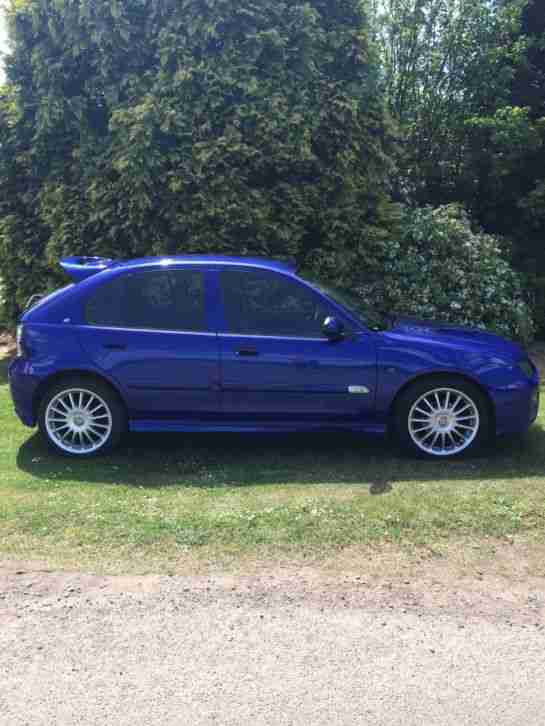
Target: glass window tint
x,y
104,306
157,300
258,302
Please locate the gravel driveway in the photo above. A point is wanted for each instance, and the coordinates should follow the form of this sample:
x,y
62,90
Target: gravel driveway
x,y
288,648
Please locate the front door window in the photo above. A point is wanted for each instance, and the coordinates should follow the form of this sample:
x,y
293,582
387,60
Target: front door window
x,y
258,302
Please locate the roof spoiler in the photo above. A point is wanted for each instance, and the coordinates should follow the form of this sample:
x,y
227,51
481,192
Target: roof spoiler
x,y
80,268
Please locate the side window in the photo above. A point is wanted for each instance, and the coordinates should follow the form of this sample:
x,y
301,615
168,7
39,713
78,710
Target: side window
x,y
155,300
258,302
104,305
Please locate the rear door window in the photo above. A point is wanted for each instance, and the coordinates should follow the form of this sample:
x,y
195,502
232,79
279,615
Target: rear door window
x,y
154,300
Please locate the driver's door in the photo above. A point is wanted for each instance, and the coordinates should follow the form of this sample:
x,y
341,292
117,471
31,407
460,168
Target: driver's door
x,y
275,363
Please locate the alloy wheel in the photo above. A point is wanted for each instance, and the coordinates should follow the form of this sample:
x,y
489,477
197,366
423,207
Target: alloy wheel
x,y
443,422
78,421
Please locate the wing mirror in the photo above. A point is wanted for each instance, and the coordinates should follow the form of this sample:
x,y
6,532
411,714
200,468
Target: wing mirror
x,y
332,328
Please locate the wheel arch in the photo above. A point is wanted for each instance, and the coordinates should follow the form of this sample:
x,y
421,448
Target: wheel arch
x,y
55,378
436,375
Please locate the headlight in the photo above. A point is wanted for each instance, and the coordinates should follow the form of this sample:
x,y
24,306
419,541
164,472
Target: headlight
x,y
527,367
20,351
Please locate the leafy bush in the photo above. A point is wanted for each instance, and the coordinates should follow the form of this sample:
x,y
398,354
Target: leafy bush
x,y
439,267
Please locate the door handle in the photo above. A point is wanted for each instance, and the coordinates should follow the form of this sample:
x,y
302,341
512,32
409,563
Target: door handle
x,y
115,346
247,352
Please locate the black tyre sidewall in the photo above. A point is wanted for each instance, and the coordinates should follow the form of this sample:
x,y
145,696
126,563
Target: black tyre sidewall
x,y
408,398
119,419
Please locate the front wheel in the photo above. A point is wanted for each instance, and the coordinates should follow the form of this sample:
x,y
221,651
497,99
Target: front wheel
x,y
81,417
442,417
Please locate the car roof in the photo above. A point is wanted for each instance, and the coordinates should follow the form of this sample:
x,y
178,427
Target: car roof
x,y
262,262
81,268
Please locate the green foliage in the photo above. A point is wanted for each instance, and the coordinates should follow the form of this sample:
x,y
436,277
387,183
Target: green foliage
x,y
529,84
438,267
2,304
258,127
502,153
507,157
445,61
163,126
522,214
465,81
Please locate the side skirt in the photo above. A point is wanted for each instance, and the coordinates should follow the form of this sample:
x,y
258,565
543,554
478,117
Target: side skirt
x,y
145,425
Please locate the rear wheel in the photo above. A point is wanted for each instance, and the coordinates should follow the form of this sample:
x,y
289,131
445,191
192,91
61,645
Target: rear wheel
x,y
81,417
442,417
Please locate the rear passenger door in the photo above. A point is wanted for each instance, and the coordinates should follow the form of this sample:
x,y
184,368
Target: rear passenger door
x,y
150,332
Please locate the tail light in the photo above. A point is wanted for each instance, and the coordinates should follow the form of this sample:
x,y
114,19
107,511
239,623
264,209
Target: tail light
x,y
20,349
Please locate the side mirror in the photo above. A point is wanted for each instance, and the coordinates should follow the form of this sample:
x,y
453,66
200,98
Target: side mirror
x,y
332,328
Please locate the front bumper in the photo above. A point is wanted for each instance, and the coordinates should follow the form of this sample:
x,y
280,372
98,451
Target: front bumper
x,y
517,408
23,386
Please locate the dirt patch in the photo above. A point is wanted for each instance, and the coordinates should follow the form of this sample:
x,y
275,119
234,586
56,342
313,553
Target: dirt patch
x,y
497,581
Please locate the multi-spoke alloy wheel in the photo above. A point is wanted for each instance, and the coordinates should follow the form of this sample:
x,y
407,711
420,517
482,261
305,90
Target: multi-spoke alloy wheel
x,y
78,421
442,416
443,421
81,416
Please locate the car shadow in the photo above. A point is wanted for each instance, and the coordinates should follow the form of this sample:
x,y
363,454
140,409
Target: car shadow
x,y
228,459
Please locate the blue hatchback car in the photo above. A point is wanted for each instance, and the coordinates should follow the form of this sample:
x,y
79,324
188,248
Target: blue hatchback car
x,y
209,343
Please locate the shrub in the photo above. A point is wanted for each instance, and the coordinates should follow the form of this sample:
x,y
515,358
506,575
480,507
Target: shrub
x,y
439,267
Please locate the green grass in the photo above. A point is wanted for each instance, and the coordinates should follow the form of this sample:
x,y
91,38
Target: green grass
x,y
163,499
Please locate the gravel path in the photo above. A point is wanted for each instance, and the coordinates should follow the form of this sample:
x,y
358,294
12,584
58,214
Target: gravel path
x,y
286,648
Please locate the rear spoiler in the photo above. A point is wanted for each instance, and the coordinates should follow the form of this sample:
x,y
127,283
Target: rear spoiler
x,y
79,268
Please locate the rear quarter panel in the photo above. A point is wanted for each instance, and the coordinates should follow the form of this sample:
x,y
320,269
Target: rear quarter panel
x,y
53,349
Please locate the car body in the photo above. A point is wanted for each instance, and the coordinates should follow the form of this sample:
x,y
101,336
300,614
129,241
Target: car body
x,y
212,343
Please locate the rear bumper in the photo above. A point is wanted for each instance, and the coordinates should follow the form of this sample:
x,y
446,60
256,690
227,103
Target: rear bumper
x,y
534,409
23,386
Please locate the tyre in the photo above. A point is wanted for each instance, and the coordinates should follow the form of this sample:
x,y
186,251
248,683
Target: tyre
x,y
442,417
81,417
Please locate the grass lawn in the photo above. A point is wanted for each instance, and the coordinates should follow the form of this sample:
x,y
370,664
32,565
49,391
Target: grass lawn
x,y
162,500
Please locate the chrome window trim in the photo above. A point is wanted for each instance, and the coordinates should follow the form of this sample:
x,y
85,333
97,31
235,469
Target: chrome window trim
x,y
91,326
324,339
